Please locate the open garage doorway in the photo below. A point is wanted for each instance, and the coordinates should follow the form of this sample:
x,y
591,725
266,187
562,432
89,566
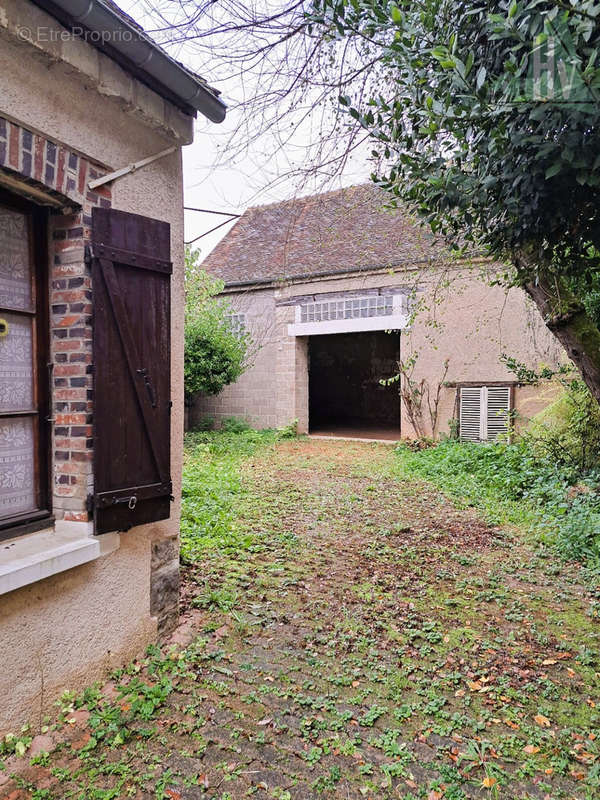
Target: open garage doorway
x,y
345,395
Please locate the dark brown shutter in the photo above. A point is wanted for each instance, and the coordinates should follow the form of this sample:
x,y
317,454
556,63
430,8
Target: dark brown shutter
x,y
131,272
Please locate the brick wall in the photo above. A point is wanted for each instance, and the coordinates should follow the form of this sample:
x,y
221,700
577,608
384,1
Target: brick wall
x,y
63,176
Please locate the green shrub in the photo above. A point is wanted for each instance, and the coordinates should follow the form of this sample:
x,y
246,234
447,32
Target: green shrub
x,y
288,431
215,352
512,483
568,431
205,424
235,425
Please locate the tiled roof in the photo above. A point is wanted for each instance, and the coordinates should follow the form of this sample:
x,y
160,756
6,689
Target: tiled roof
x,y
338,231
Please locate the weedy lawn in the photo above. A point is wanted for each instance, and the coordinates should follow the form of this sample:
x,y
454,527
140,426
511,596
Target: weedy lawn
x,y
356,635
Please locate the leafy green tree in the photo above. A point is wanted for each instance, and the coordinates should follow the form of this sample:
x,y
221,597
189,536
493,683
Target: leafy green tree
x,y
215,351
487,119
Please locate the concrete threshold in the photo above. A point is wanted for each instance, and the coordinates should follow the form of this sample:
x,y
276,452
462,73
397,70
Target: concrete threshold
x,y
352,438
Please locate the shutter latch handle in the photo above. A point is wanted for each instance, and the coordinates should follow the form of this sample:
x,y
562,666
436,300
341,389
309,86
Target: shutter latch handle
x,y
131,501
148,385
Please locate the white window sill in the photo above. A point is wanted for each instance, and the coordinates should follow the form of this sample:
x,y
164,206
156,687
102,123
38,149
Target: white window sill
x,y
35,556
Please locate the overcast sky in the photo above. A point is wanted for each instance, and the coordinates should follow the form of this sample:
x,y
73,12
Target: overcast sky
x,y
256,178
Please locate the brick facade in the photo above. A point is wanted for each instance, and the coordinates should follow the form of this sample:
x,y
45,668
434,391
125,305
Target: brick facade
x,y
62,175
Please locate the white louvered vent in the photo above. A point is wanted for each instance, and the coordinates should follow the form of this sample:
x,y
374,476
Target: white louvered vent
x,y
498,408
484,412
470,413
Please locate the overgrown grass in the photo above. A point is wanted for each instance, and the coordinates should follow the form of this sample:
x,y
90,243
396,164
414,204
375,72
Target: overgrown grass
x,y
211,489
510,485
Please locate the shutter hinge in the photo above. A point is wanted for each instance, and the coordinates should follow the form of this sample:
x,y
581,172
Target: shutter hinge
x,y
87,255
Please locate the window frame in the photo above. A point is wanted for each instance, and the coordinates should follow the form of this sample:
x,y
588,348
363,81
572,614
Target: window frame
x,y
34,520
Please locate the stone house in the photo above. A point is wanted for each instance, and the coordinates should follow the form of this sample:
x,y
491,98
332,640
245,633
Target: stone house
x,y
336,290
91,342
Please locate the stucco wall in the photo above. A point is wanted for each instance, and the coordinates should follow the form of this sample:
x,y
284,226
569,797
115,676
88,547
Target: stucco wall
x,y
64,631
459,317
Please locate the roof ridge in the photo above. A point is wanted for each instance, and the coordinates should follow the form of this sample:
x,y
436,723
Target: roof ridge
x,y
300,198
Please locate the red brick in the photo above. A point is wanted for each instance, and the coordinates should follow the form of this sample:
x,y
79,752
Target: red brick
x,y
82,175
38,162
71,419
70,320
60,168
61,370
76,516
67,345
13,152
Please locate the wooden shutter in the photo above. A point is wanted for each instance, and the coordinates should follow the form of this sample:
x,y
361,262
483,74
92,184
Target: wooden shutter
x,y
484,412
131,271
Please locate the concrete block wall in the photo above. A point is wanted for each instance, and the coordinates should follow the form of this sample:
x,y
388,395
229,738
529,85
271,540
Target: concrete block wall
x,y
252,396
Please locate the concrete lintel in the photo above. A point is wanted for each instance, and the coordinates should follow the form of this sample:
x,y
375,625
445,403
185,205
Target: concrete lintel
x,y
387,323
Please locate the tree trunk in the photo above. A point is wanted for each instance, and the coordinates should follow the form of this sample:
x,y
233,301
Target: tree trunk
x,y
568,320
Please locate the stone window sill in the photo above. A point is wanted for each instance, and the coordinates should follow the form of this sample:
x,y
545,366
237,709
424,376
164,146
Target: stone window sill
x,y
33,557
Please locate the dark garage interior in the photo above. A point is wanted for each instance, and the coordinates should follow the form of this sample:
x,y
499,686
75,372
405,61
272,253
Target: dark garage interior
x,y
345,396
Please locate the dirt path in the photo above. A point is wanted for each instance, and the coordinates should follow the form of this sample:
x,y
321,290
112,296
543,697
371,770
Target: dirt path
x,y
371,641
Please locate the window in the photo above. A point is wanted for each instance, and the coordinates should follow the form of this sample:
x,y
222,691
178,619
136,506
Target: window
x,y
484,412
24,394
237,322
353,308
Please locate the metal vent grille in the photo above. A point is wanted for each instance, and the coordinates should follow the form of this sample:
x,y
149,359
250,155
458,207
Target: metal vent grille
x,y
353,308
484,412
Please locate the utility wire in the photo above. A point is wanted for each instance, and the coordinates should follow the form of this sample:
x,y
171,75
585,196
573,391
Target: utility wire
x,y
210,211
216,228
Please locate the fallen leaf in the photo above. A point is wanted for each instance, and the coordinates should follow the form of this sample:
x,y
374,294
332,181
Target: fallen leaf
x,y
264,721
531,749
488,782
547,661
542,720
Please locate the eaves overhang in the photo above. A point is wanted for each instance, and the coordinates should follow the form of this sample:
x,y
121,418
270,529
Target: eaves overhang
x,y
104,28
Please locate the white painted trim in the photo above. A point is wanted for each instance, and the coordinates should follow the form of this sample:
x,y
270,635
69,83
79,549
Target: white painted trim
x,y
390,323
35,556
